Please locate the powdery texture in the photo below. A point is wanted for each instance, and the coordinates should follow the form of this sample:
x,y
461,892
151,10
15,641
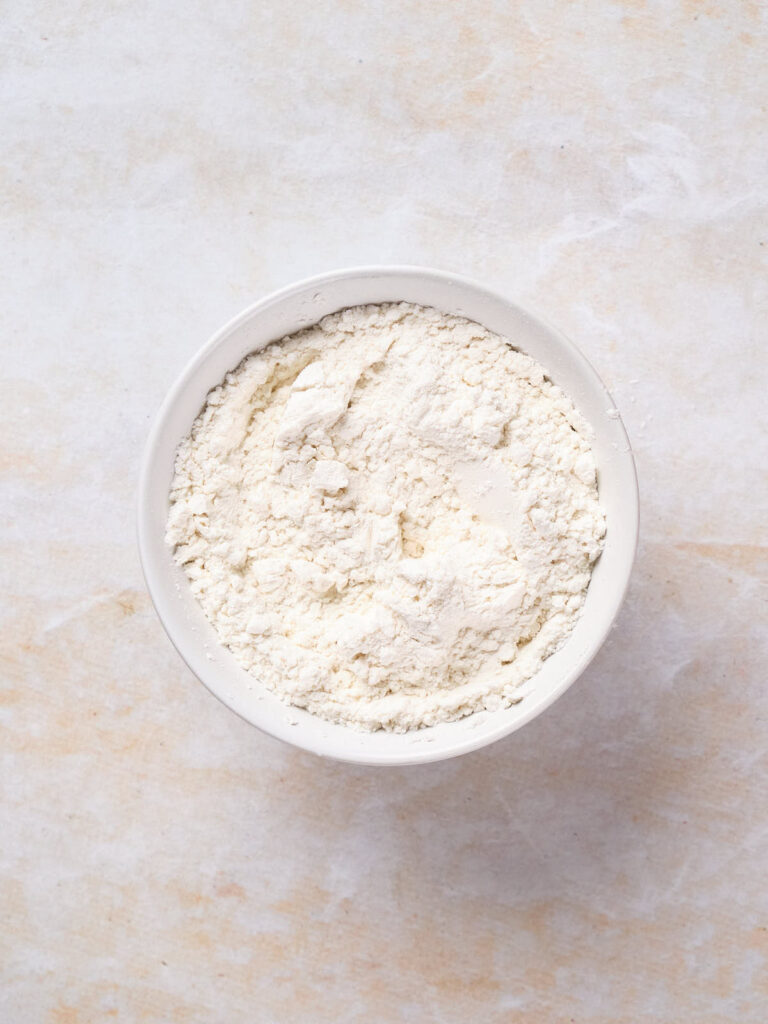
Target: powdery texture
x,y
390,518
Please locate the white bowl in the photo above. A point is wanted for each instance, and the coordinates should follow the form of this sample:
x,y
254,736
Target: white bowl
x,y
285,312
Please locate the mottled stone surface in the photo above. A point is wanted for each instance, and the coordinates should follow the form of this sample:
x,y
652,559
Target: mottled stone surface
x,y
162,166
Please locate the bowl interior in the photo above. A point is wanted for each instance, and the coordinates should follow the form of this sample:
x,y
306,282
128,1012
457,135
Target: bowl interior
x,y
296,307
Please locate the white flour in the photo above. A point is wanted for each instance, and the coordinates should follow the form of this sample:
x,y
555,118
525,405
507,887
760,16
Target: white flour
x,y
389,518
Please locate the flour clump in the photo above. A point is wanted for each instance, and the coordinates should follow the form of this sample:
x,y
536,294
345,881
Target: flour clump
x,y
390,518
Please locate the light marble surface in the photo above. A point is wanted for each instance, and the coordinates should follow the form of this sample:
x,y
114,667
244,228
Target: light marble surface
x,y
162,166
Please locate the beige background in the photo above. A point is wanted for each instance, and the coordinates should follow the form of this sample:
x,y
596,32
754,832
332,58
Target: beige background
x,y
164,164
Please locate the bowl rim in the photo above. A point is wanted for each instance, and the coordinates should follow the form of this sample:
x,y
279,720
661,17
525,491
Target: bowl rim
x,y
152,571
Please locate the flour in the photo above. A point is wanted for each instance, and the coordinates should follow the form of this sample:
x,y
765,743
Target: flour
x,y
390,518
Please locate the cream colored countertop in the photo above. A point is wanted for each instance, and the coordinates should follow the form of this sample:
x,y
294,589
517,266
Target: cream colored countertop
x,y
162,166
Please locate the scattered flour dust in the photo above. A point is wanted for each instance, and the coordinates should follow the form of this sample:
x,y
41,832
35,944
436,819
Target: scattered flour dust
x,y
390,518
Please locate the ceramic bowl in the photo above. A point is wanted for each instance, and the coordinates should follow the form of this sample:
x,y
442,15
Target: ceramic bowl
x,y
285,312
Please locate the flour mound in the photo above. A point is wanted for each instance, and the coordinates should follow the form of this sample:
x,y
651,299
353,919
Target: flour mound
x,y
390,518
